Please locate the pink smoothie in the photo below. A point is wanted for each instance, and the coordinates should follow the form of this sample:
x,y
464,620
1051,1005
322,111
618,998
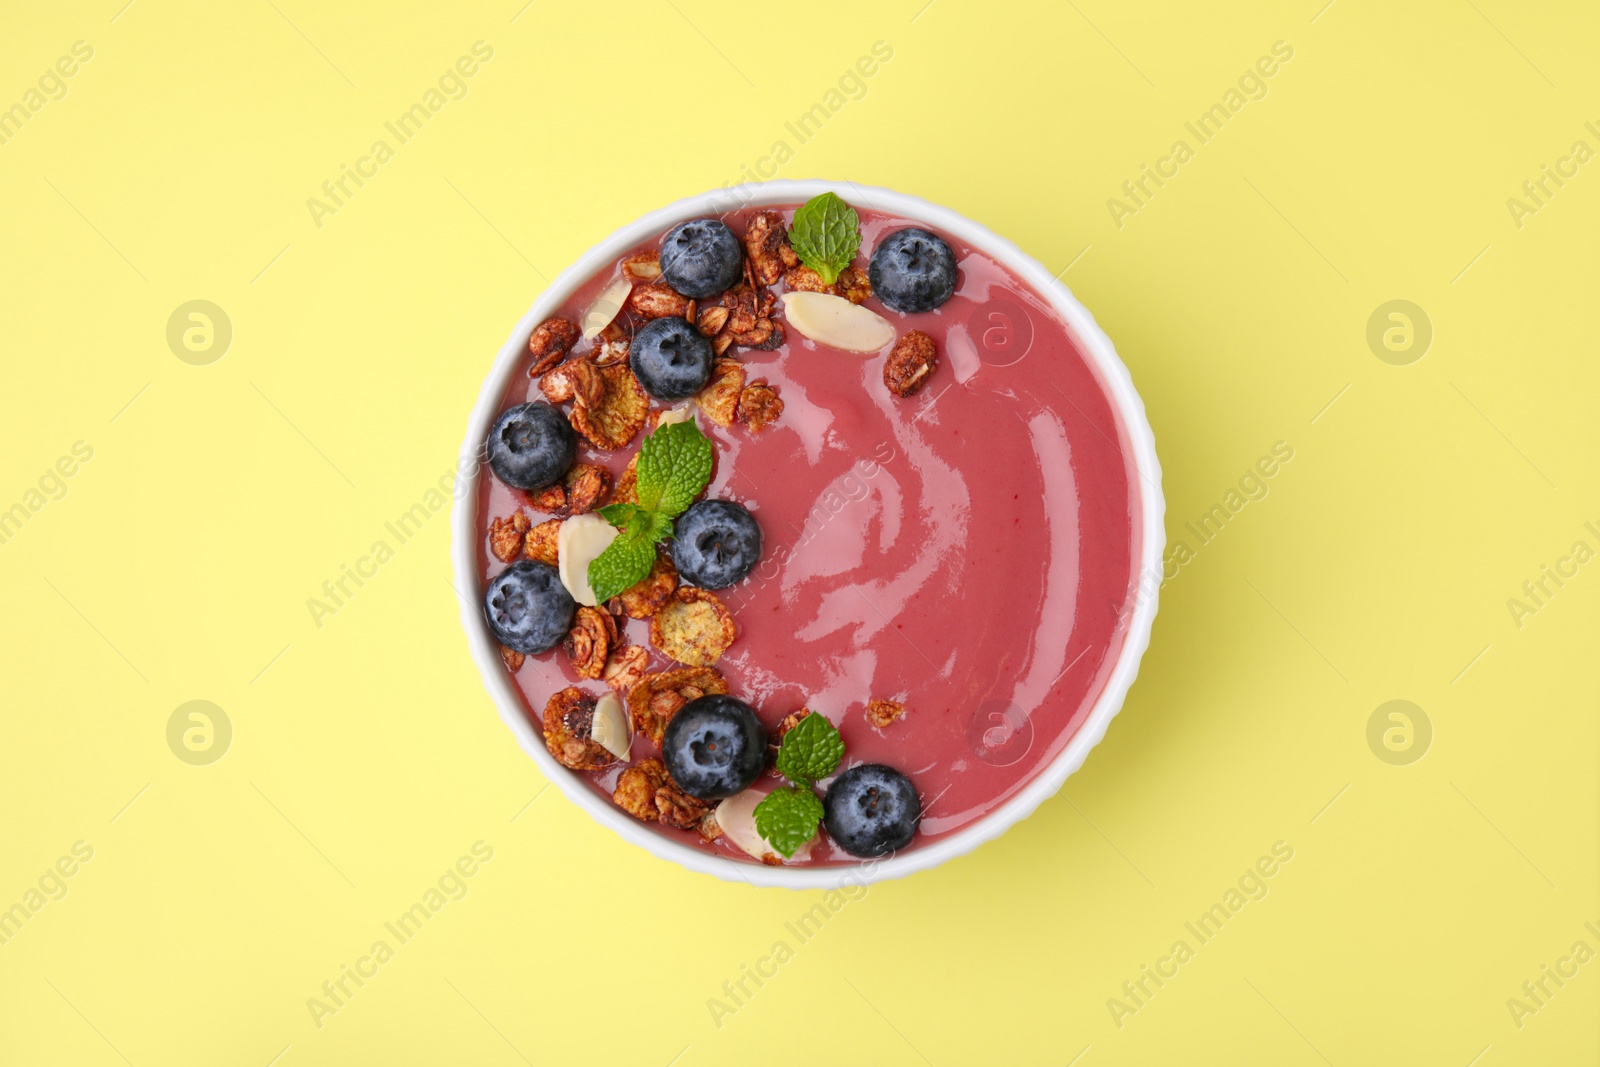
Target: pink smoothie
x,y
968,551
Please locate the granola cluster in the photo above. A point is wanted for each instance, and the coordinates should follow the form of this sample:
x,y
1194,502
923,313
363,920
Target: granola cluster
x,y
569,731
584,488
647,792
656,698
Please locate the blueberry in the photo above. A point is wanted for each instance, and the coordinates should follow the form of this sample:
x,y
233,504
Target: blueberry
x,y
531,446
871,810
715,543
714,747
528,608
913,270
700,258
671,359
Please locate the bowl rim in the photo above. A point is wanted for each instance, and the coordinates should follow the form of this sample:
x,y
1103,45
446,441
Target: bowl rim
x,y
1145,581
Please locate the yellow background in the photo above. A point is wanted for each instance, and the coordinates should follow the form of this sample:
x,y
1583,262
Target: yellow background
x,y
365,756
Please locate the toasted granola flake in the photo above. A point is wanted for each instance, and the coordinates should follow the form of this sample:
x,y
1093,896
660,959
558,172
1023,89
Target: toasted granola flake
x,y
910,364
549,344
625,667
881,713
618,414
512,659
766,240
693,627
589,641
645,598
658,300
712,319
541,543
759,405
656,698
569,731
577,378
506,536
720,398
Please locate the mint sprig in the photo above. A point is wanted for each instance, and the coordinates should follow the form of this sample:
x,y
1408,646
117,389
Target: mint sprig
x,y
787,817
810,751
674,466
826,235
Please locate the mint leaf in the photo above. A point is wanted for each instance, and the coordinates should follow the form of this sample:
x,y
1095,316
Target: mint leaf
x,y
810,751
826,235
787,818
626,560
626,517
674,465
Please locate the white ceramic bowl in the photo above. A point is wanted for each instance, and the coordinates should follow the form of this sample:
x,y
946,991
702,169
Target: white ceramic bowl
x,y
1130,409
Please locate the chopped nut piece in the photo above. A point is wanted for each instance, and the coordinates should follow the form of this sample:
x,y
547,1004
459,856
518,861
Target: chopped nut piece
x,y
909,365
609,352
549,344
759,405
577,378
657,697
627,490
693,627
766,240
881,713
646,596
589,641
541,543
646,791
512,659
709,828
568,731
658,300
583,488
506,536
645,266
720,398
712,320
612,419
625,667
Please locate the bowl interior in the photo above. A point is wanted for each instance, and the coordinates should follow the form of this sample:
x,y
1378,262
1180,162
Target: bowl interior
x,y
1096,347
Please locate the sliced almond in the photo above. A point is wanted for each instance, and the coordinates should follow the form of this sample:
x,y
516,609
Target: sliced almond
x,y
579,542
605,308
678,413
610,727
834,321
737,817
